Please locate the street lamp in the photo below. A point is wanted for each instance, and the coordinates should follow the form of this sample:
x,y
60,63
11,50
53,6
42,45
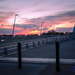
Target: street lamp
x,y
53,30
14,24
41,28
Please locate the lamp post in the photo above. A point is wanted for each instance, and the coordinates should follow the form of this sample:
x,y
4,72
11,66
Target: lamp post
x,y
14,25
53,30
41,28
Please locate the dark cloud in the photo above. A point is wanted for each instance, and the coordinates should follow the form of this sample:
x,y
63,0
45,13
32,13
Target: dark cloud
x,y
5,15
5,31
45,28
34,28
56,19
68,14
71,6
25,26
64,29
8,31
60,17
5,11
40,10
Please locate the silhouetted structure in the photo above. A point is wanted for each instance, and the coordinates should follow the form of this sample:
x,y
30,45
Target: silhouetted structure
x,y
74,29
57,57
19,56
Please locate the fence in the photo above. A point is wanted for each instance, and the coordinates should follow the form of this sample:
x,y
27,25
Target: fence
x,y
12,49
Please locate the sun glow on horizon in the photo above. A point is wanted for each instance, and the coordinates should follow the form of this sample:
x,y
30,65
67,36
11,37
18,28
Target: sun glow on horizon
x,y
34,32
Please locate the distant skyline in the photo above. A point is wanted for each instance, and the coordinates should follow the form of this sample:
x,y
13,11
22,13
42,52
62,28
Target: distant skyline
x,y
56,14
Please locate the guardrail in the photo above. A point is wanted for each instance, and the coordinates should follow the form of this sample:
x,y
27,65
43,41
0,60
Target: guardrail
x,y
12,49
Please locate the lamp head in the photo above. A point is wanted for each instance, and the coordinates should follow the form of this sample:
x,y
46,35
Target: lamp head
x,y
16,14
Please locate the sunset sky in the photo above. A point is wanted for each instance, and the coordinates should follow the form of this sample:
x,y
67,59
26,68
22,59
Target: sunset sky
x,y
56,14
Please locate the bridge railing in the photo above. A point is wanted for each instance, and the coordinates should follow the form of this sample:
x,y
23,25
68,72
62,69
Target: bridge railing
x,y
11,49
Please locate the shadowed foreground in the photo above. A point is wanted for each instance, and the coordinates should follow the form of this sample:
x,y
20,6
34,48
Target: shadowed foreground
x,y
35,69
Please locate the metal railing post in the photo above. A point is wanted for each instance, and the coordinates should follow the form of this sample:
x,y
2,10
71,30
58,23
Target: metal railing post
x,y
19,56
57,57
5,52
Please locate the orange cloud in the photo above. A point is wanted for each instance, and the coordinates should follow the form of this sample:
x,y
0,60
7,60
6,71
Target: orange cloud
x,y
17,28
24,32
6,26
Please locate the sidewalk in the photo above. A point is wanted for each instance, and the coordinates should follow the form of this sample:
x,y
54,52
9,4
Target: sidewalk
x,y
65,69
67,51
35,69
27,69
